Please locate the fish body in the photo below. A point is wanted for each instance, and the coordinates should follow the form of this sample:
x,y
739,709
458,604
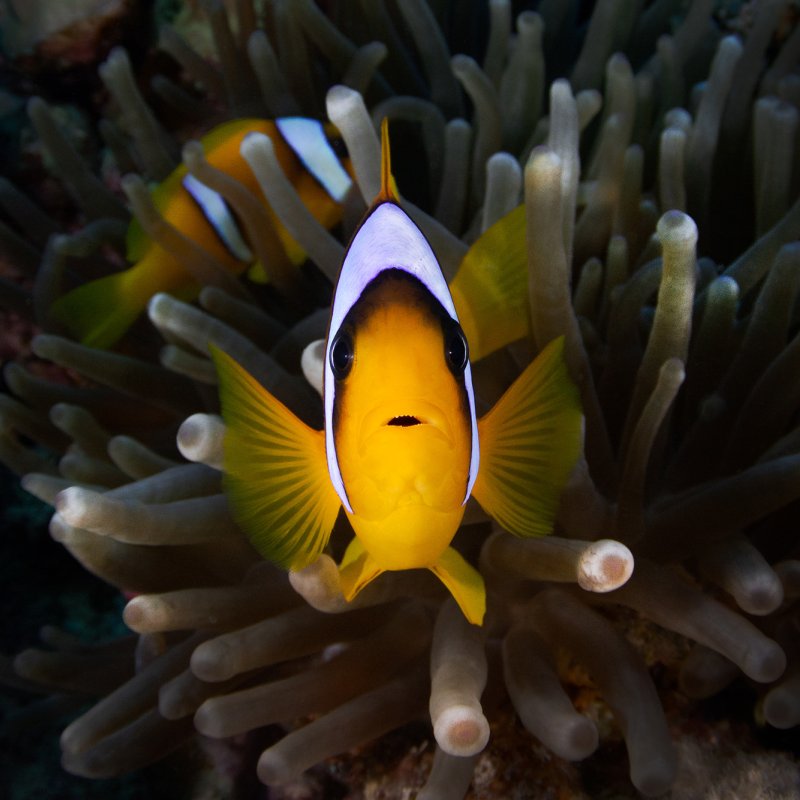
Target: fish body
x,y
401,442
99,312
402,449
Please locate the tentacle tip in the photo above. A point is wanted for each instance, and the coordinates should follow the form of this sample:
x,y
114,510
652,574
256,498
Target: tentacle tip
x,y
318,583
461,730
656,777
606,565
206,719
158,306
340,99
762,600
134,614
765,663
273,769
71,740
676,226
255,143
41,344
781,710
312,362
58,528
190,435
583,739
209,661
71,503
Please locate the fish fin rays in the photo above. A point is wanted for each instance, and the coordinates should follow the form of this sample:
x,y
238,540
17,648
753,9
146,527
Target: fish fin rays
x,y
275,471
464,582
530,442
357,569
490,289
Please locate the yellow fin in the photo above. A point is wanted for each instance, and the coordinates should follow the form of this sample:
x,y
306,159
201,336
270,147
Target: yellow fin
x,y
530,442
464,582
490,289
275,471
257,273
357,569
101,311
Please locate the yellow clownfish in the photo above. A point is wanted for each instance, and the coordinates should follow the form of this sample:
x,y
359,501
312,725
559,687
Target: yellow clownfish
x,y
402,449
101,311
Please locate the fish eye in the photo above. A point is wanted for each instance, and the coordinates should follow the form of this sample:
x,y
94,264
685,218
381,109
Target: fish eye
x,y
342,354
456,350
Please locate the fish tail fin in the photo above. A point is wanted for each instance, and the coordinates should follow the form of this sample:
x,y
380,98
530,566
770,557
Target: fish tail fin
x,y
100,312
275,471
490,289
530,442
464,582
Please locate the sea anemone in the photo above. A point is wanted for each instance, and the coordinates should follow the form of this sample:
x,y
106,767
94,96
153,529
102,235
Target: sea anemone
x,y
655,152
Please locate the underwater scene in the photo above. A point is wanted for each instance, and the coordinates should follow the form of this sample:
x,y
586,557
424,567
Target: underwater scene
x,y
400,399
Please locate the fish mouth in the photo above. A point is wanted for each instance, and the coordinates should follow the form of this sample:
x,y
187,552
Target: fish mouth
x,y
416,415
405,421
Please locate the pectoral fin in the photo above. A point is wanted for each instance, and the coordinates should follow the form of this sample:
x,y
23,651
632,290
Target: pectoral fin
x,y
530,442
357,569
464,582
490,289
275,471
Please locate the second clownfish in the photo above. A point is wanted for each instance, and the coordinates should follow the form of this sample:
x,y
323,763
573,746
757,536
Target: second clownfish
x,y
101,311
402,449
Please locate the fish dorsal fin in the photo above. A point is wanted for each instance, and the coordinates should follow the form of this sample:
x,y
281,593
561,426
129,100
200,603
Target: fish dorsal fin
x,y
530,442
490,289
388,186
275,472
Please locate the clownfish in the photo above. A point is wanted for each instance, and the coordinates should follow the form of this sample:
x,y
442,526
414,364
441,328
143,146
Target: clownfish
x,y
402,448
101,311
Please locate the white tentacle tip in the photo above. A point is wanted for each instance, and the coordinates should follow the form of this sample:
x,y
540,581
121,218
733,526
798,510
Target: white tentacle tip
x,y
312,362
676,227
255,145
319,585
159,307
461,730
340,98
200,439
72,505
604,566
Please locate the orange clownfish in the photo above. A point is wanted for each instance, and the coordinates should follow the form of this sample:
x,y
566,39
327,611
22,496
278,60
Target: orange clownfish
x,y
101,311
402,448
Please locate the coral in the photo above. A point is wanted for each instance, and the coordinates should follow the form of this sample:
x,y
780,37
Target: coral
x,y
656,159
